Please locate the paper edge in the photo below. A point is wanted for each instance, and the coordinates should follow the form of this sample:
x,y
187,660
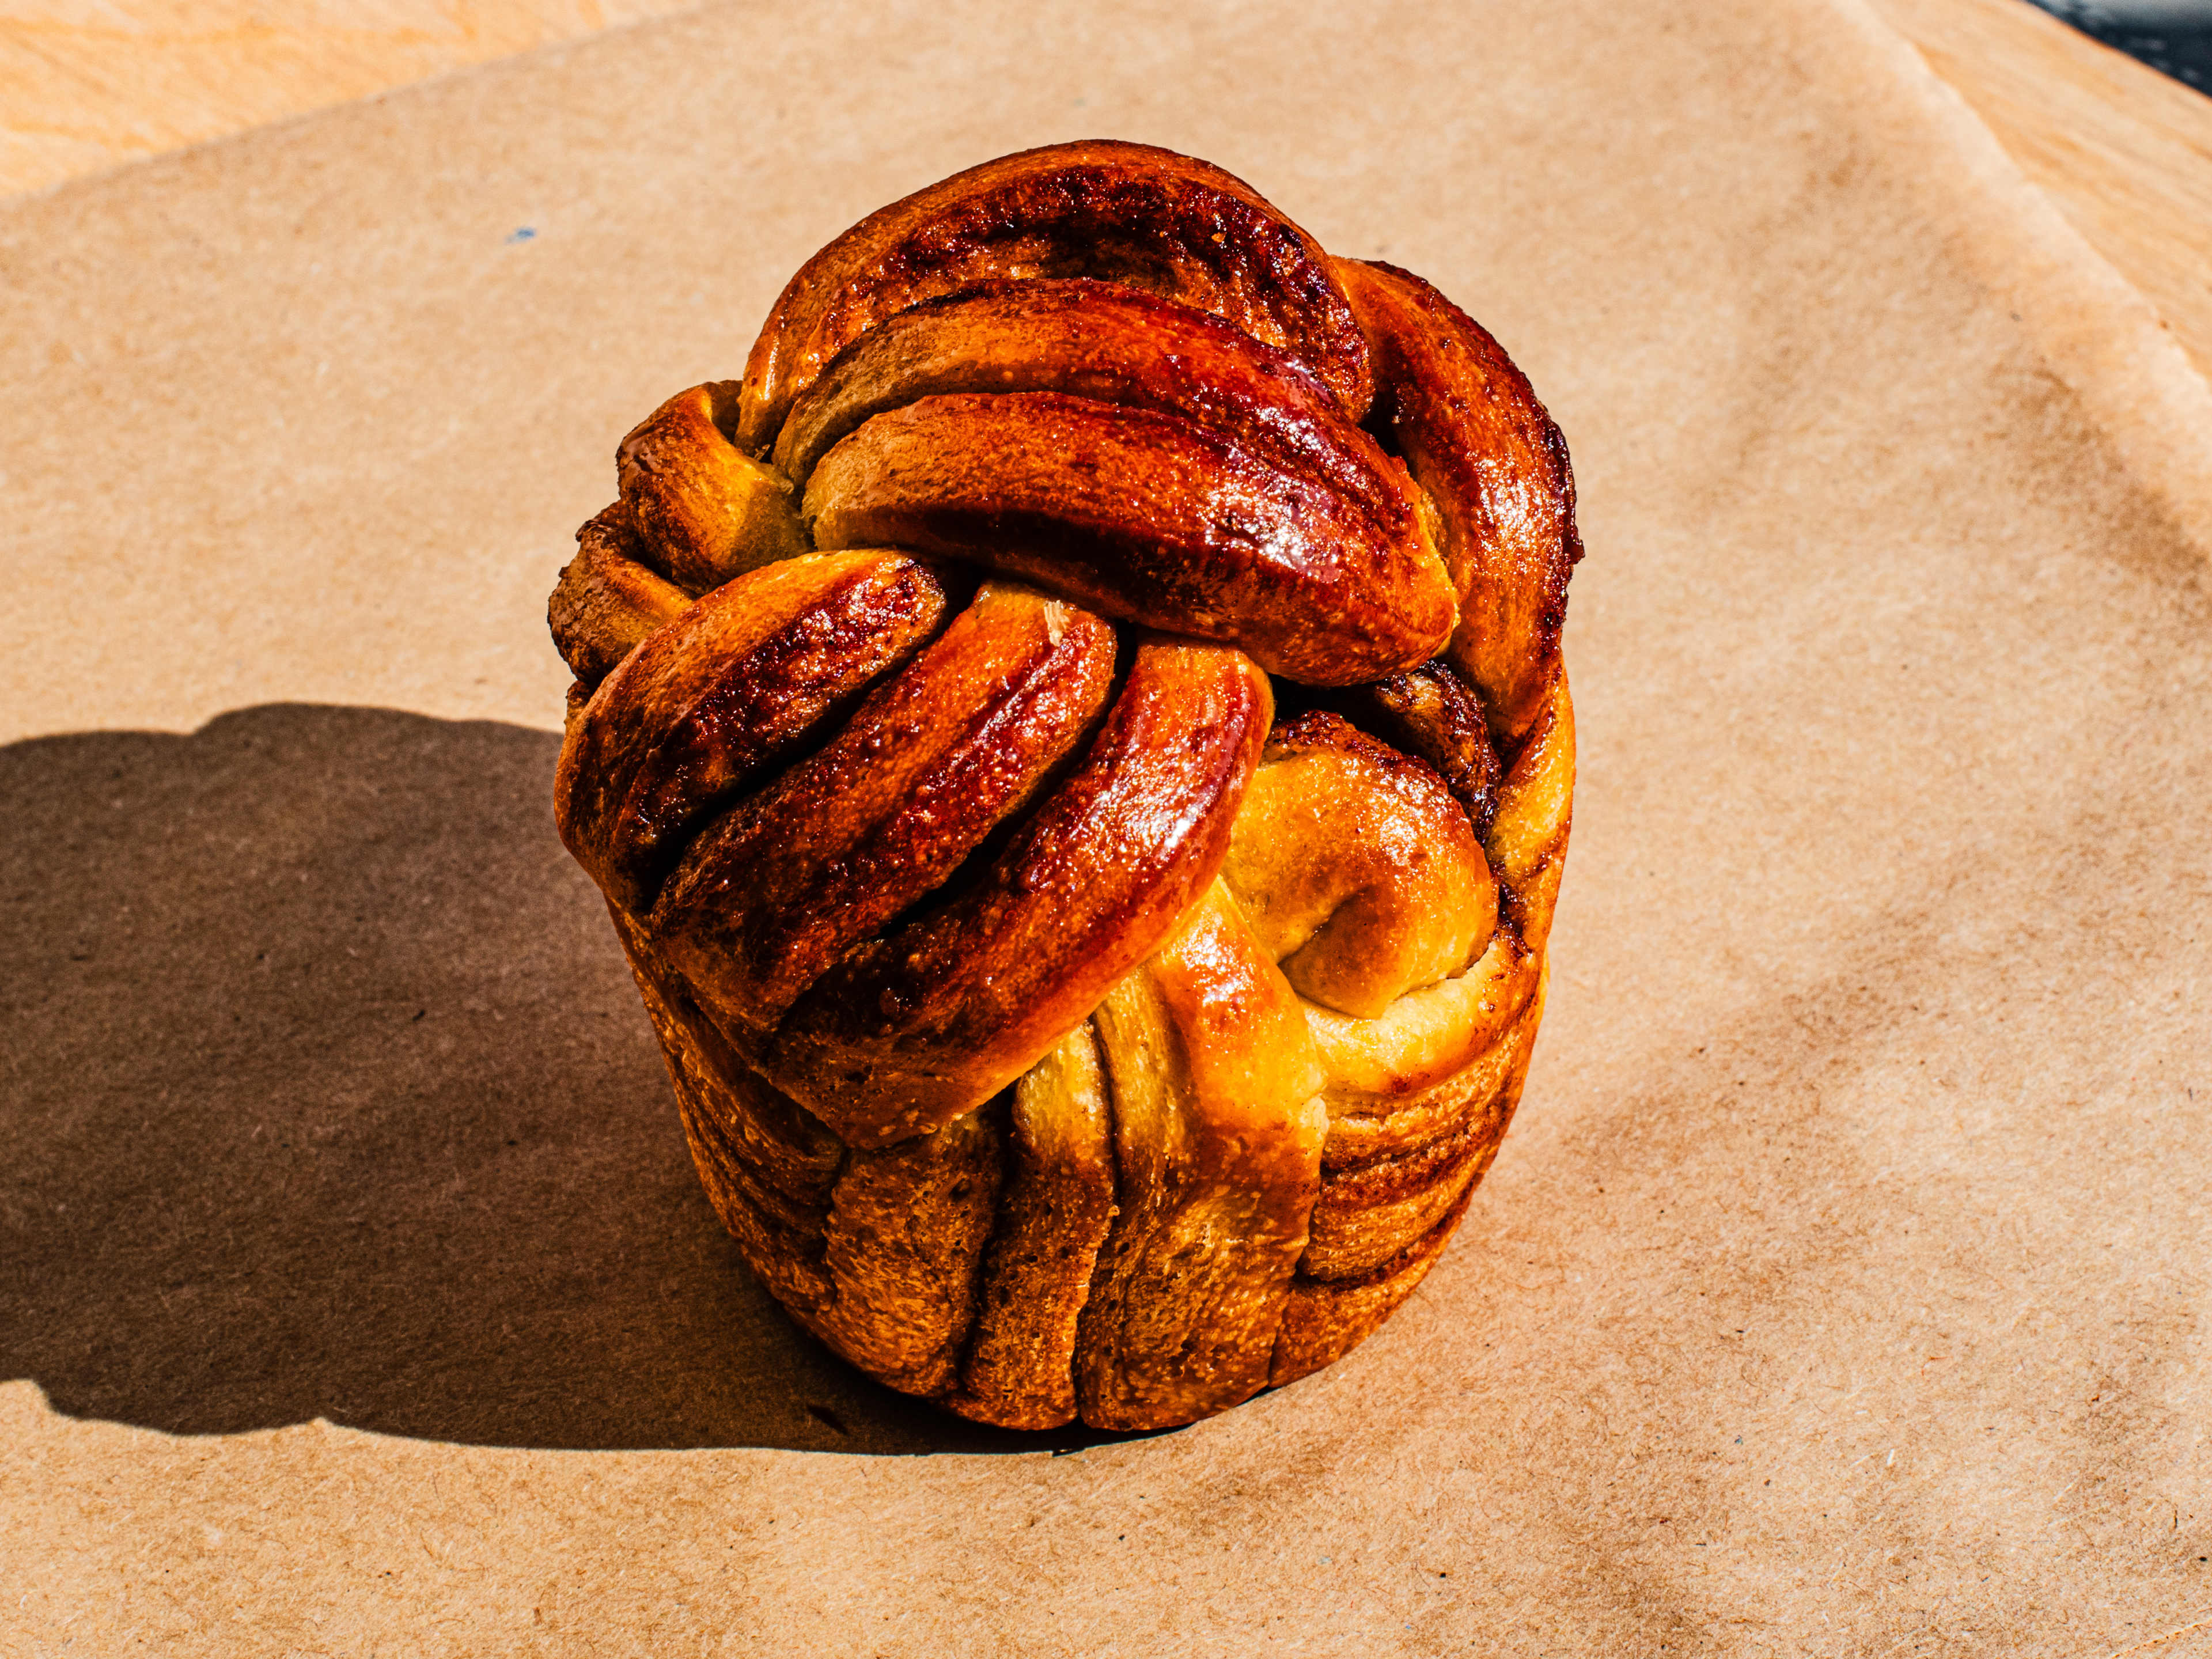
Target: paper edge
x,y
2101,336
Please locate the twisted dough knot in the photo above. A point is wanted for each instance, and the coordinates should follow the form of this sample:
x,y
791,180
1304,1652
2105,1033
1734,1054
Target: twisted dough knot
x,y
1057,1029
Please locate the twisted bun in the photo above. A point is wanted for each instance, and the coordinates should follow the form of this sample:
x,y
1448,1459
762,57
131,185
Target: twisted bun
x,y
1062,1028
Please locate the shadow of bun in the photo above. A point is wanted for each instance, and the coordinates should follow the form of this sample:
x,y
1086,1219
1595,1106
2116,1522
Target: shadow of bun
x,y
329,1095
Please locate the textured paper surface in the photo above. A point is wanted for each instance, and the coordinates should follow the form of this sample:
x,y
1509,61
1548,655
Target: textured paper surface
x,y
1842,1288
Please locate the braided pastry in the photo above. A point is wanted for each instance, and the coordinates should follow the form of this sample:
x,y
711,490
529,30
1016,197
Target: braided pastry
x,y
1075,746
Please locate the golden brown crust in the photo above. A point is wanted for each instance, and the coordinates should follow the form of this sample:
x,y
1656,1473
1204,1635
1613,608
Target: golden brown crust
x,y
1058,1202
903,1242
1477,441
607,603
735,685
1428,1034
1527,840
1143,217
1057,1035
1364,1217
1325,1319
1430,713
774,893
767,1165
704,510
1364,1127
1150,517
1218,1140
1357,869
1098,340
911,1030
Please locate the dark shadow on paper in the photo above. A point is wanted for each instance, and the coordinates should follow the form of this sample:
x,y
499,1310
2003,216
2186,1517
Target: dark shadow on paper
x,y
328,1094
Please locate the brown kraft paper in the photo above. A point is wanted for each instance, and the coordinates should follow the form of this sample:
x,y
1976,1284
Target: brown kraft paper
x,y
1841,1287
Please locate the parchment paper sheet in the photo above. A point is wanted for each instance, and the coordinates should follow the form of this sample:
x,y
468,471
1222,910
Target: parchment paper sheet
x,y
1843,1287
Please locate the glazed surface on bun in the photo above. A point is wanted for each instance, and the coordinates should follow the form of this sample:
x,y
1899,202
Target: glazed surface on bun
x,y
1075,745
